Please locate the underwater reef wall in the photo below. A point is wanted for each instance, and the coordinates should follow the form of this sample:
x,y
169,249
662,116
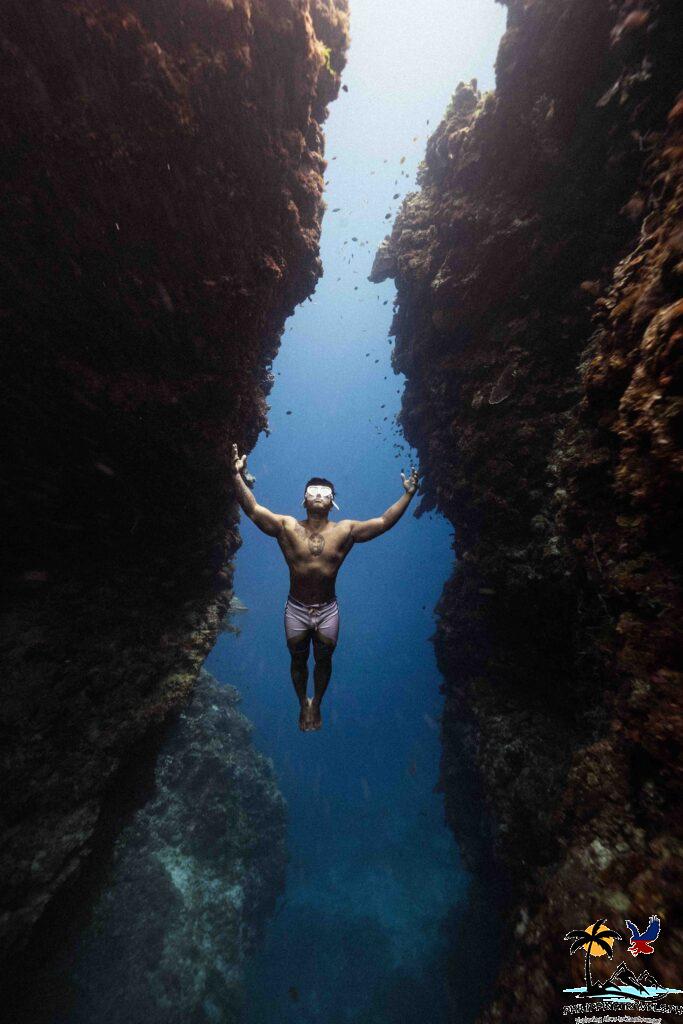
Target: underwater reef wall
x,y
161,170
539,320
185,893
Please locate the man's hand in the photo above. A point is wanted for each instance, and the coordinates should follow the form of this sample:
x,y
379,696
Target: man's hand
x,y
266,520
238,462
411,483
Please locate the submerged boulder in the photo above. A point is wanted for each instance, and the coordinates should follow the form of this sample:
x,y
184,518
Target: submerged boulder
x,y
192,877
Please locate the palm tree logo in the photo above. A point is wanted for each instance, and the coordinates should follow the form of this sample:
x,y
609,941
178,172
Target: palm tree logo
x,y
596,940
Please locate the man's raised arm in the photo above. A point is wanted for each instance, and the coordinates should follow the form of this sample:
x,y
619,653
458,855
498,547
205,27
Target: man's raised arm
x,y
371,528
266,520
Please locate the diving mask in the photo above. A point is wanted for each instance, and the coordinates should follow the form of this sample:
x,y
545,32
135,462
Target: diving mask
x,y
319,490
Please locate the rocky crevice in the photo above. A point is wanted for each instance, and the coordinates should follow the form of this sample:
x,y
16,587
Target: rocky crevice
x,y
538,323
162,174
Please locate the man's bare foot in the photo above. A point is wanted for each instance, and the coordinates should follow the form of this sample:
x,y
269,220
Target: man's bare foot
x,y
303,715
314,718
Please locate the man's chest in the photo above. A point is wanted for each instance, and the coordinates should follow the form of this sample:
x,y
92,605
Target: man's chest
x,y
325,545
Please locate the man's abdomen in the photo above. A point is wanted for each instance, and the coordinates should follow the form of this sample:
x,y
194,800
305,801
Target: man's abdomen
x,y
313,587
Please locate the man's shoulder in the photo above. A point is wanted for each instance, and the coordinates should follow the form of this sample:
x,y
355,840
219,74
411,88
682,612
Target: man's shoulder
x,y
345,524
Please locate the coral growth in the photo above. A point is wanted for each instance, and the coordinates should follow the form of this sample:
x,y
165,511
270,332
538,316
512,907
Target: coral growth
x,y
162,174
539,274
183,897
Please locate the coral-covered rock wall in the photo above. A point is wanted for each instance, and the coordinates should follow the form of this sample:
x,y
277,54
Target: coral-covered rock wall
x,y
183,897
539,321
161,170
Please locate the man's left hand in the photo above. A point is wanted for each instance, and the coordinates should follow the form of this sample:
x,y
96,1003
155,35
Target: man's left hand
x,y
410,484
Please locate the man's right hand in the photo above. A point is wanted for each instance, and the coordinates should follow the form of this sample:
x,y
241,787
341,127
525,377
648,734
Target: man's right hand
x,y
238,462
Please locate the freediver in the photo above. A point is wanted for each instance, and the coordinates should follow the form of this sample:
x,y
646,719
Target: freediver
x,y
314,549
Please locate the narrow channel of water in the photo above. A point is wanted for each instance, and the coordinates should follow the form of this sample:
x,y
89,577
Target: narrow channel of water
x,y
375,877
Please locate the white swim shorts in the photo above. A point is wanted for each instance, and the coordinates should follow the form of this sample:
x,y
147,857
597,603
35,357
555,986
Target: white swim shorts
x,y
301,618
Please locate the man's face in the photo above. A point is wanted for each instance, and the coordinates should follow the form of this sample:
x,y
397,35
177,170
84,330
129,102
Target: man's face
x,y
318,496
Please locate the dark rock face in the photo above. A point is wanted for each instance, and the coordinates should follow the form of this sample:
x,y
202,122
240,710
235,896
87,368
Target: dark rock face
x,y
192,876
539,321
162,172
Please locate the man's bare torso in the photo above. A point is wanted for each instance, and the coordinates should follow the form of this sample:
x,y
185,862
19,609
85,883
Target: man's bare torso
x,y
314,557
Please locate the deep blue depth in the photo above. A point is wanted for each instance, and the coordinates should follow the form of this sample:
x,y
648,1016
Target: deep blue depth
x,y
373,869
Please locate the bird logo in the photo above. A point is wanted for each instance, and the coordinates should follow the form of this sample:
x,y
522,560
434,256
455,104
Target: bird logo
x,y
597,940
643,943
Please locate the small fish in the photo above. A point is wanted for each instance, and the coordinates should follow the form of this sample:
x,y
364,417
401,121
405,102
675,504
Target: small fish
x,y
402,160
289,412
345,88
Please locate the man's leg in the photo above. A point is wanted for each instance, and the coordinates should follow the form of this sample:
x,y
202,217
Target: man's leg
x,y
324,642
299,648
323,648
298,633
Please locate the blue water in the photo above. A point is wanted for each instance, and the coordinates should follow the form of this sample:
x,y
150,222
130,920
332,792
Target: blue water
x,y
360,936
